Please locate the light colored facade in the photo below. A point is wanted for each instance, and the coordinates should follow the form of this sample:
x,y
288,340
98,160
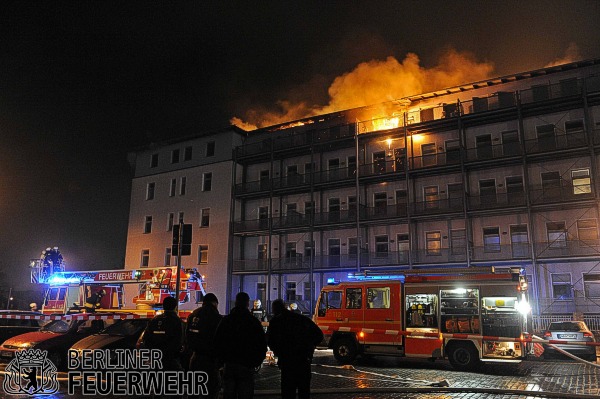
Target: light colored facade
x,y
495,173
190,177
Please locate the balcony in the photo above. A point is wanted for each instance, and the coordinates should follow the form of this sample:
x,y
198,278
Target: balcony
x,y
379,168
501,252
556,142
439,255
496,201
572,87
435,207
435,160
567,248
496,151
565,192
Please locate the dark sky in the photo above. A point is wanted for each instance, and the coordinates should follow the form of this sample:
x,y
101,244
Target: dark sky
x,y
83,83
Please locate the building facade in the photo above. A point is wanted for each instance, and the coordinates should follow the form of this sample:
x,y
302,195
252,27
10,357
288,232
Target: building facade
x,y
496,173
187,179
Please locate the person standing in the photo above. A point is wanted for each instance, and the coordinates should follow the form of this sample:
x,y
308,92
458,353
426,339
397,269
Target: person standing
x,y
165,332
240,341
293,337
202,325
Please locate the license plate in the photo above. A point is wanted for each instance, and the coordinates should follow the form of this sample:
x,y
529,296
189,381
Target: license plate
x,y
6,354
567,336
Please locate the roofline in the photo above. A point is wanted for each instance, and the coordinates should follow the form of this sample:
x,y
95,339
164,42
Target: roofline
x,y
174,140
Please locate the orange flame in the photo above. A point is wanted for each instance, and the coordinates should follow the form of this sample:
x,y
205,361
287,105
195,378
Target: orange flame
x,y
378,81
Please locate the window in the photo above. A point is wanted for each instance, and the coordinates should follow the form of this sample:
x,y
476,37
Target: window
x,y
145,258
261,292
148,225
380,203
309,248
378,298
309,207
587,230
458,242
334,209
202,254
308,291
483,144
175,156
290,290
333,245
353,298
261,252
582,183
591,285
210,149
182,185
519,241
487,191
329,300
514,189
431,194
452,151
187,153
545,135
551,185
150,191
170,219
434,242
352,247
557,234
510,143
207,181
540,92
379,162
290,250
491,239
205,217
351,162
428,151
381,246
403,243
561,286
154,161
173,188
352,206
168,256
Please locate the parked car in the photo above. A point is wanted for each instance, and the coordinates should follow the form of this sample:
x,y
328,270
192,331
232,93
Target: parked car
x,y
570,331
56,337
123,334
11,327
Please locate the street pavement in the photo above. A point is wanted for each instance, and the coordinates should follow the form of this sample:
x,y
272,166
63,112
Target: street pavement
x,y
380,377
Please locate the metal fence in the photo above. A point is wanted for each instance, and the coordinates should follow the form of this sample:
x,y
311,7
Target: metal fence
x,y
540,323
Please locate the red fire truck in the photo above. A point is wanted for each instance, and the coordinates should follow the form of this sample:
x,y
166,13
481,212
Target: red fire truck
x,y
69,290
468,316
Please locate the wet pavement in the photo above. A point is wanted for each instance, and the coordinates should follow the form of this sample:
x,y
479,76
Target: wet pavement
x,y
412,378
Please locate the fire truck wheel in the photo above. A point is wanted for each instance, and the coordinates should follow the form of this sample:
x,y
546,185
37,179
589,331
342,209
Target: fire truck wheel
x,y
463,356
344,350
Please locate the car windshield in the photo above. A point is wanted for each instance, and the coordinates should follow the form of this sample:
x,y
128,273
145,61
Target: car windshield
x,y
58,326
126,327
567,326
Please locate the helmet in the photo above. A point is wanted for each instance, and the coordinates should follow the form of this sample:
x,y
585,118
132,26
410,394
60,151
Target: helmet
x,y
257,304
102,292
33,305
293,306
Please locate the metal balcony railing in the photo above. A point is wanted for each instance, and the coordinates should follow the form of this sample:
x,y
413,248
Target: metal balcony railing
x,y
494,252
556,142
565,192
495,201
435,160
567,248
437,206
552,91
495,151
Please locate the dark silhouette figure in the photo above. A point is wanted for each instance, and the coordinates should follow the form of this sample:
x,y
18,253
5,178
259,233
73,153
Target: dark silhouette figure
x,y
31,376
165,332
93,302
202,325
293,338
240,340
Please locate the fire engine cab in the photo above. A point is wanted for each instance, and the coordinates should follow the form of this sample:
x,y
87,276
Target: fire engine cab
x,y
468,316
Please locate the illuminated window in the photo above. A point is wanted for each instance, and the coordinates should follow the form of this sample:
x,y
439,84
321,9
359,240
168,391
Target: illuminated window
x,y
150,191
148,225
205,217
582,183
202,254
145,258
561,286
434,242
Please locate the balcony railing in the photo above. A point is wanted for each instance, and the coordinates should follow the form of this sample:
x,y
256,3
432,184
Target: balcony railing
x,y
495,201
437,206
567,248
551,91
556,142
566,192
495,151
435,160
501,252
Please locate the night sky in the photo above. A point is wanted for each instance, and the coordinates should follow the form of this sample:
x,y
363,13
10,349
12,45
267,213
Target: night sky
x,y
82,83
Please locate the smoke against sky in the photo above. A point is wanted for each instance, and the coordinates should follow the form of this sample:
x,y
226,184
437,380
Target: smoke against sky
x,y
377,81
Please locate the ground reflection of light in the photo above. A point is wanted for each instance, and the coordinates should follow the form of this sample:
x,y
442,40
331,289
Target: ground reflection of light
x,y
362,384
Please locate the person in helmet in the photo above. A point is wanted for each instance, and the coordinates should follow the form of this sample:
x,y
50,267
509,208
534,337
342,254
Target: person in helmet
x,y
93,302
258,311
33,307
